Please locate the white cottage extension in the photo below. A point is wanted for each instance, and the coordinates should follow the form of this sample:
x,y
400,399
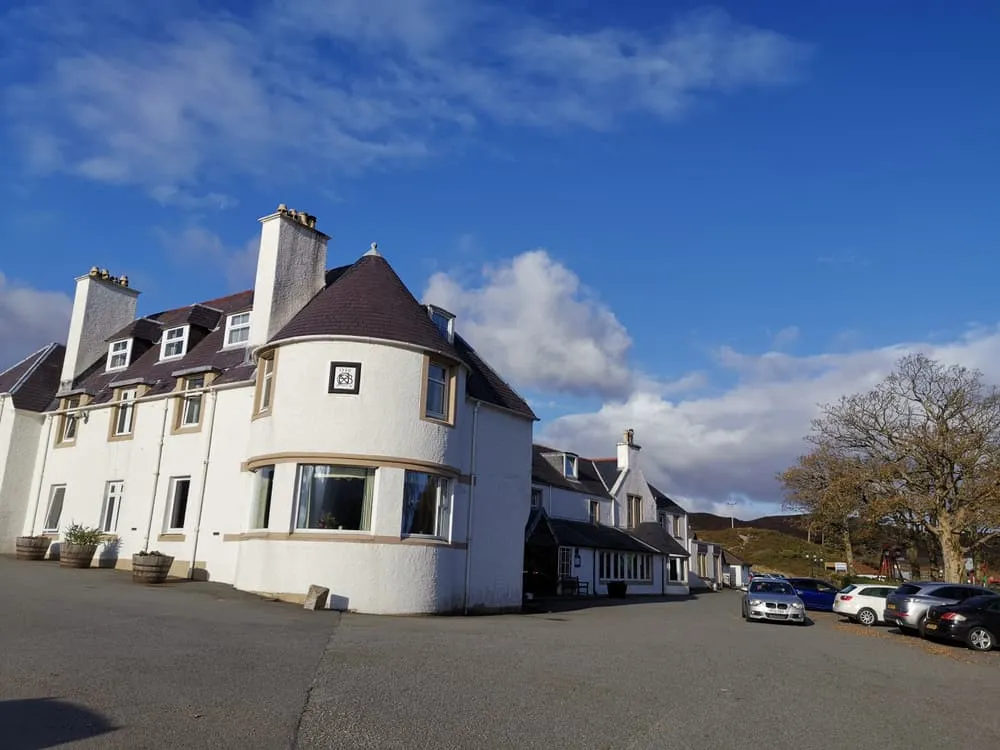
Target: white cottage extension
x,y
322,428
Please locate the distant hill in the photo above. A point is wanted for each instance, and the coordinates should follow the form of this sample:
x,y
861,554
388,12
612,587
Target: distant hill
x,y
792,525
767,550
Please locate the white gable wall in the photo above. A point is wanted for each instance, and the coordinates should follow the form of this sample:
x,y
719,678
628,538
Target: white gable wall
x,y
20,432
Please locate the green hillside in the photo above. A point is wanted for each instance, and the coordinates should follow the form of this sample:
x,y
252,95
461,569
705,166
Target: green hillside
x,y
769,551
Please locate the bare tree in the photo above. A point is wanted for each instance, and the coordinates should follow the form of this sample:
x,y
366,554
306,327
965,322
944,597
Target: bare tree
x,y
839,492
932,435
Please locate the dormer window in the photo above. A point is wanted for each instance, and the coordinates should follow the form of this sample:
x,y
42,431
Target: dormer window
x,y
237,329
570,465
444,321
119,354
174,343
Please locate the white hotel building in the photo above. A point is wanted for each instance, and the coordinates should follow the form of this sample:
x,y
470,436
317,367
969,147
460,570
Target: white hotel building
x,y
322,428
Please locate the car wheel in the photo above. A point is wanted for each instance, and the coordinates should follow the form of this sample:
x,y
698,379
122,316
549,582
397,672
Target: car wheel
x,y
980,639
867,617
922,627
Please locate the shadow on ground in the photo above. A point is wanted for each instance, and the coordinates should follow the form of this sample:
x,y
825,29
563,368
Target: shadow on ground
x,y
573,603
37,723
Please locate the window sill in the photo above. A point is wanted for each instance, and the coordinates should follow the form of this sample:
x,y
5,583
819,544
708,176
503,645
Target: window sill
x,y
423,539
171,536
341,537
261,415
443,421
119,438
65,444
186,429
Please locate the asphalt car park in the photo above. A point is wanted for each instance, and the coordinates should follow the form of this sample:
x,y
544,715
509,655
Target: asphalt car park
x,y
90,660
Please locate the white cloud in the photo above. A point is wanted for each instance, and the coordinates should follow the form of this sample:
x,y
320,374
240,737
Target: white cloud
x,y
164,97
198,247
784,337
29,319
535,317
704,449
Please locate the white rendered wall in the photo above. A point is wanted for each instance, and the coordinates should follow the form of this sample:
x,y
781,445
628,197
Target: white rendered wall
x,y
100,308
20,432
382,420
502,500
633,482
575,506
381,574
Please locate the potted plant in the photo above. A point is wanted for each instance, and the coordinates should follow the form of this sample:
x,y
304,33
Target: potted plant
x,y
32,547
79,545
150,567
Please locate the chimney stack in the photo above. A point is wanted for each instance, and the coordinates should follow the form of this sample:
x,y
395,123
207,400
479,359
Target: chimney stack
x,y
291,270
102,305
628,451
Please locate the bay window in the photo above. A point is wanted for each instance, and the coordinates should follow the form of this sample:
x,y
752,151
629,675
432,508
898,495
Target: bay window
x,y
426,505
630,567
334,497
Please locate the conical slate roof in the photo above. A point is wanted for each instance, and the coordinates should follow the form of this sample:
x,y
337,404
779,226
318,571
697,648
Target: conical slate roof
x,y
368,300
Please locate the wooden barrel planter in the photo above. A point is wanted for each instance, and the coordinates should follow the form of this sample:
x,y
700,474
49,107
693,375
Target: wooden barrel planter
x,y
151,568
76,555
32,547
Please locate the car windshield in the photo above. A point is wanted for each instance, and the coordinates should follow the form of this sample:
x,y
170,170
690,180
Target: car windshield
x,y
771,587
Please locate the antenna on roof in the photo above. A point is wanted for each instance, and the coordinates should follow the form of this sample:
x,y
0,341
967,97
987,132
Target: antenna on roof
x,y
373,250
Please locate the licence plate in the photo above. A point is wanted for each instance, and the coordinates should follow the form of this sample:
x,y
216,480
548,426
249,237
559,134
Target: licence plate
x,y
890,605
930,626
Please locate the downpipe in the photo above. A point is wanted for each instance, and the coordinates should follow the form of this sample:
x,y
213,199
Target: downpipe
x,y
204,480
156,475
468,516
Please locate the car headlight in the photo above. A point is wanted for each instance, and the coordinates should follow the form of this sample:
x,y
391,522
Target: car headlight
x,y
755,602
796,605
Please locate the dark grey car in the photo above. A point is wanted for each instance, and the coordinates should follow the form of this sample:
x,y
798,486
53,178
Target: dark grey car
x,y
907,606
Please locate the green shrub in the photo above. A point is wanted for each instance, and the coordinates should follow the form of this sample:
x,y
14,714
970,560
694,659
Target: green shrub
x,y
80,534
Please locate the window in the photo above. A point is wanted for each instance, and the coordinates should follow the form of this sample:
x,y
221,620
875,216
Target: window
x,y
426,505
118,354
237,329
334,497
595,511
180,488
702,565
825,588
676,569
193,397
174,343
634,511
265,384
438,397
876,591
675,526
565,562
56,497
124,414
570,466
264,484
626,566
536,497
444,321
113,496
68,425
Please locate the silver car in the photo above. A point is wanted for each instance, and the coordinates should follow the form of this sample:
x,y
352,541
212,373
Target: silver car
x,y
907,606
774,600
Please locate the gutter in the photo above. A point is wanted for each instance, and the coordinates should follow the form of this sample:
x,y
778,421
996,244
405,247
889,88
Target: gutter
x,y
156,475
468,516
41,475
204,480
